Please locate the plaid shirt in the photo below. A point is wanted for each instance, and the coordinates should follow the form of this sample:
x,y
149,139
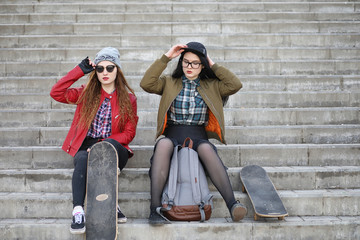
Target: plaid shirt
x,y
101,125
189,108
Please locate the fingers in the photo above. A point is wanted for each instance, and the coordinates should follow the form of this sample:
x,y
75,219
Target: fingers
x,y
175,51
211,62
91,63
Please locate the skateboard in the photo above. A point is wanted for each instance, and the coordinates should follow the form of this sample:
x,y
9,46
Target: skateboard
x,y
262,193
102,192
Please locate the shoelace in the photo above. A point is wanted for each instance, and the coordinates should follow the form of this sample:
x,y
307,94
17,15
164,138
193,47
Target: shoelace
x,y
78,218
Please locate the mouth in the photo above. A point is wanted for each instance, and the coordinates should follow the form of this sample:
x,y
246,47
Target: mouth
x,y
188,72
105,78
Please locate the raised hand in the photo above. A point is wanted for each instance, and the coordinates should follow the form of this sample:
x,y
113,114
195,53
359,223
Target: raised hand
x,y
175,51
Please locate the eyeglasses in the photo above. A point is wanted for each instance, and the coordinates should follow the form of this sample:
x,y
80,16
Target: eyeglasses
x,y
194,65
109,68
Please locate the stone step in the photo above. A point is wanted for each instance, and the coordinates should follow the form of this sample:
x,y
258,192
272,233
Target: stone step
x,y
334,202
137,179
305,227
150,40
295,83
225,54
239,67
223,16
35,157
208,1
158,7
239,100
233,117
310,134
169,28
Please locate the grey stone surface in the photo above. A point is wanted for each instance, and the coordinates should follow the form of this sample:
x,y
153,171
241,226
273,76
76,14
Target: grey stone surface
x,y
297,113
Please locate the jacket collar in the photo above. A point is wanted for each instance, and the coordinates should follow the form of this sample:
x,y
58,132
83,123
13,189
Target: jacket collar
x,y
107,95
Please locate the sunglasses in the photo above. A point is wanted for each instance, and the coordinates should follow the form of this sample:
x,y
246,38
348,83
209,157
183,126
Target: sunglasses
x,y
109,68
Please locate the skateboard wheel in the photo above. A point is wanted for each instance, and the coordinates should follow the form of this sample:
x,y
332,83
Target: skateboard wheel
x,y
243,189
256,217
281,218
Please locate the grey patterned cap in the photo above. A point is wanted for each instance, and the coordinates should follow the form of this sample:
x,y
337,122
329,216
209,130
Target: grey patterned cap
x,y
108,54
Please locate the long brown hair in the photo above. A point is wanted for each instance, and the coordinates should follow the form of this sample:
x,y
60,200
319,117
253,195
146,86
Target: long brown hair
x,y
90,98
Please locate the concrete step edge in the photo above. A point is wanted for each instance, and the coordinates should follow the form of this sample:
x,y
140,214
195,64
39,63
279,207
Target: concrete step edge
x,y
289,169
219,146
344,126
298,227
226,109
44,196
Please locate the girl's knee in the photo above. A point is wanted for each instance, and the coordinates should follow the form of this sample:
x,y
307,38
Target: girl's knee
x,y
164,143
80,159
205,146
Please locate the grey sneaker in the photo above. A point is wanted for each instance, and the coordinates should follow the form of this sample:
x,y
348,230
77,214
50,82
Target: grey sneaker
x,y
157,219
238,211
121,217
78,224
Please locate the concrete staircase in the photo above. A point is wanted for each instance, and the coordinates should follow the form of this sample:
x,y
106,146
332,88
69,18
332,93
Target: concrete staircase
x,y
297,114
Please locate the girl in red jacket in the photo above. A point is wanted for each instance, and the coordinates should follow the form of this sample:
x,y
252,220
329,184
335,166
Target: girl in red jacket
x,y
106,111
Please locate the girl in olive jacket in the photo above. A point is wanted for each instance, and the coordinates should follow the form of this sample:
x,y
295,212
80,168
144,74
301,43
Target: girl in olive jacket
x,y
191,105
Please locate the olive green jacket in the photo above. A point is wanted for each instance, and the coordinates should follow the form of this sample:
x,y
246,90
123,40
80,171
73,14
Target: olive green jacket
x,y
211,90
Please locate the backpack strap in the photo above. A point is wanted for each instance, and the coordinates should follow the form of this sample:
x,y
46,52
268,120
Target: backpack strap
x,y
195,181
172,181
173,174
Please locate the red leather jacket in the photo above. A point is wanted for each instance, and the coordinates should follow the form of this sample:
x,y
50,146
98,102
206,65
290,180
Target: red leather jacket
x,y
62,92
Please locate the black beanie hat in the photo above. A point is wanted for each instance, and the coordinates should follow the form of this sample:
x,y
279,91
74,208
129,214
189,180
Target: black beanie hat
x,y
196,47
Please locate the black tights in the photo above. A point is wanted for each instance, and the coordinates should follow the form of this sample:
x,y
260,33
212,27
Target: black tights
x,y
210,160
80,163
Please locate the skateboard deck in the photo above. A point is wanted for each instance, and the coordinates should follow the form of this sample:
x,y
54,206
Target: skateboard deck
x,y
102,192
262,193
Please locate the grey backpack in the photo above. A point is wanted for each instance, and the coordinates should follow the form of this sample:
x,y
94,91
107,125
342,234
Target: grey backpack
x,y
186,196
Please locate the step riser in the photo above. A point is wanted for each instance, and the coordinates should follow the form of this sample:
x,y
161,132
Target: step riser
x,y
174,17
224,40
266,67
137,206
232,118
11,55
178,28
26,85
232,156
177,7
214,229
240,100
234,135
138,181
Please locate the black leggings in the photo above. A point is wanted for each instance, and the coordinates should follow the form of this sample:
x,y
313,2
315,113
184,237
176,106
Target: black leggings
x,y
160,162
80,163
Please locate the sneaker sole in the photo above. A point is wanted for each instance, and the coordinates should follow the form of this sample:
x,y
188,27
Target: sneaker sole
x,y
159,223
238,214
77,231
